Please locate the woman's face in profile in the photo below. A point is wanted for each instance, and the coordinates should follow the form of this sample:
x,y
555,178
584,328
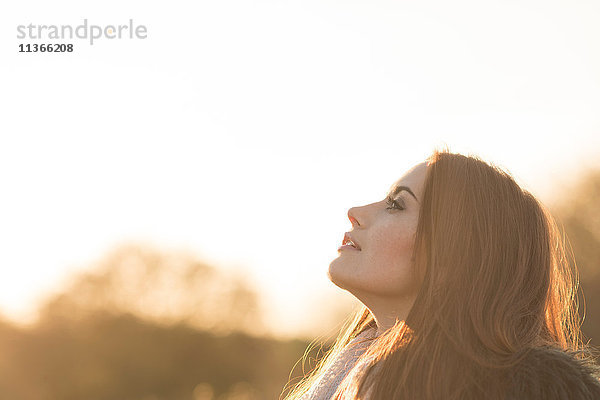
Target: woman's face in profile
x,y
381,268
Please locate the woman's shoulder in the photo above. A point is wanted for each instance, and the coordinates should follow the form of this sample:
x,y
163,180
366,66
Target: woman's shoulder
x,y
552,373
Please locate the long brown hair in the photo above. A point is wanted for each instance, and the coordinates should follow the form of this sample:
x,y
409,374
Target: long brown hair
x,y
497,278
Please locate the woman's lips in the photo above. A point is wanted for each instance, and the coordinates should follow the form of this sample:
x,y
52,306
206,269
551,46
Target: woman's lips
x,y
348,243
347,247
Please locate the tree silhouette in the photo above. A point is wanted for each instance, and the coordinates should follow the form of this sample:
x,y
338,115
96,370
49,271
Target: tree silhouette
x,y
146,325
579,213
164,287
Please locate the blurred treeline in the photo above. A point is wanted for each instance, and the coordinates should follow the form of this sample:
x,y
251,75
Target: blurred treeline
x,y
577,209
150,325
147,325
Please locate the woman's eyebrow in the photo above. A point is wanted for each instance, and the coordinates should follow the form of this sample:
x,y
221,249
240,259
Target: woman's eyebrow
x,y
398,189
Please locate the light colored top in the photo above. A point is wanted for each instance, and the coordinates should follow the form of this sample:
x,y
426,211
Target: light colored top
x,y
325,388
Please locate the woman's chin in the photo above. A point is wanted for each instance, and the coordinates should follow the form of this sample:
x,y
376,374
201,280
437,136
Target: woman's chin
x,y
337,272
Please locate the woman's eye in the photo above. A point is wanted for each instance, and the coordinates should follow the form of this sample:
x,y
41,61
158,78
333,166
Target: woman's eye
x,y
393,204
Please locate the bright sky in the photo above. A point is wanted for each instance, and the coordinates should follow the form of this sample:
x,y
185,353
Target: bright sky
x,y
244,130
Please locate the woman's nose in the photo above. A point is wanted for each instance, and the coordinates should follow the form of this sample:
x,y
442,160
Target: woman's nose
x,y
352,217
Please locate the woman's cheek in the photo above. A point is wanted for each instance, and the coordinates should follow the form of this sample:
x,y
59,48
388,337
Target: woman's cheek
x,y
394,240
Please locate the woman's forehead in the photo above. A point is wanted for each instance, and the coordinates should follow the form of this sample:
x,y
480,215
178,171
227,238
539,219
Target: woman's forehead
x,y
414,179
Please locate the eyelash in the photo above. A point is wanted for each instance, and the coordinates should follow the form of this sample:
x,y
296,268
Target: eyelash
x,y
394,204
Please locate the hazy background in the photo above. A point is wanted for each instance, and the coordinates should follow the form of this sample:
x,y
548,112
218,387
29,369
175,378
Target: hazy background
x,y
196,183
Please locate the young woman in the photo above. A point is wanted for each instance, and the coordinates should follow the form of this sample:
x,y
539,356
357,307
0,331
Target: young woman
x,y
468,292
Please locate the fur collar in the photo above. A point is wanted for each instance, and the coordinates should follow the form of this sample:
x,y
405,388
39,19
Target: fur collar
x,y
553,374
